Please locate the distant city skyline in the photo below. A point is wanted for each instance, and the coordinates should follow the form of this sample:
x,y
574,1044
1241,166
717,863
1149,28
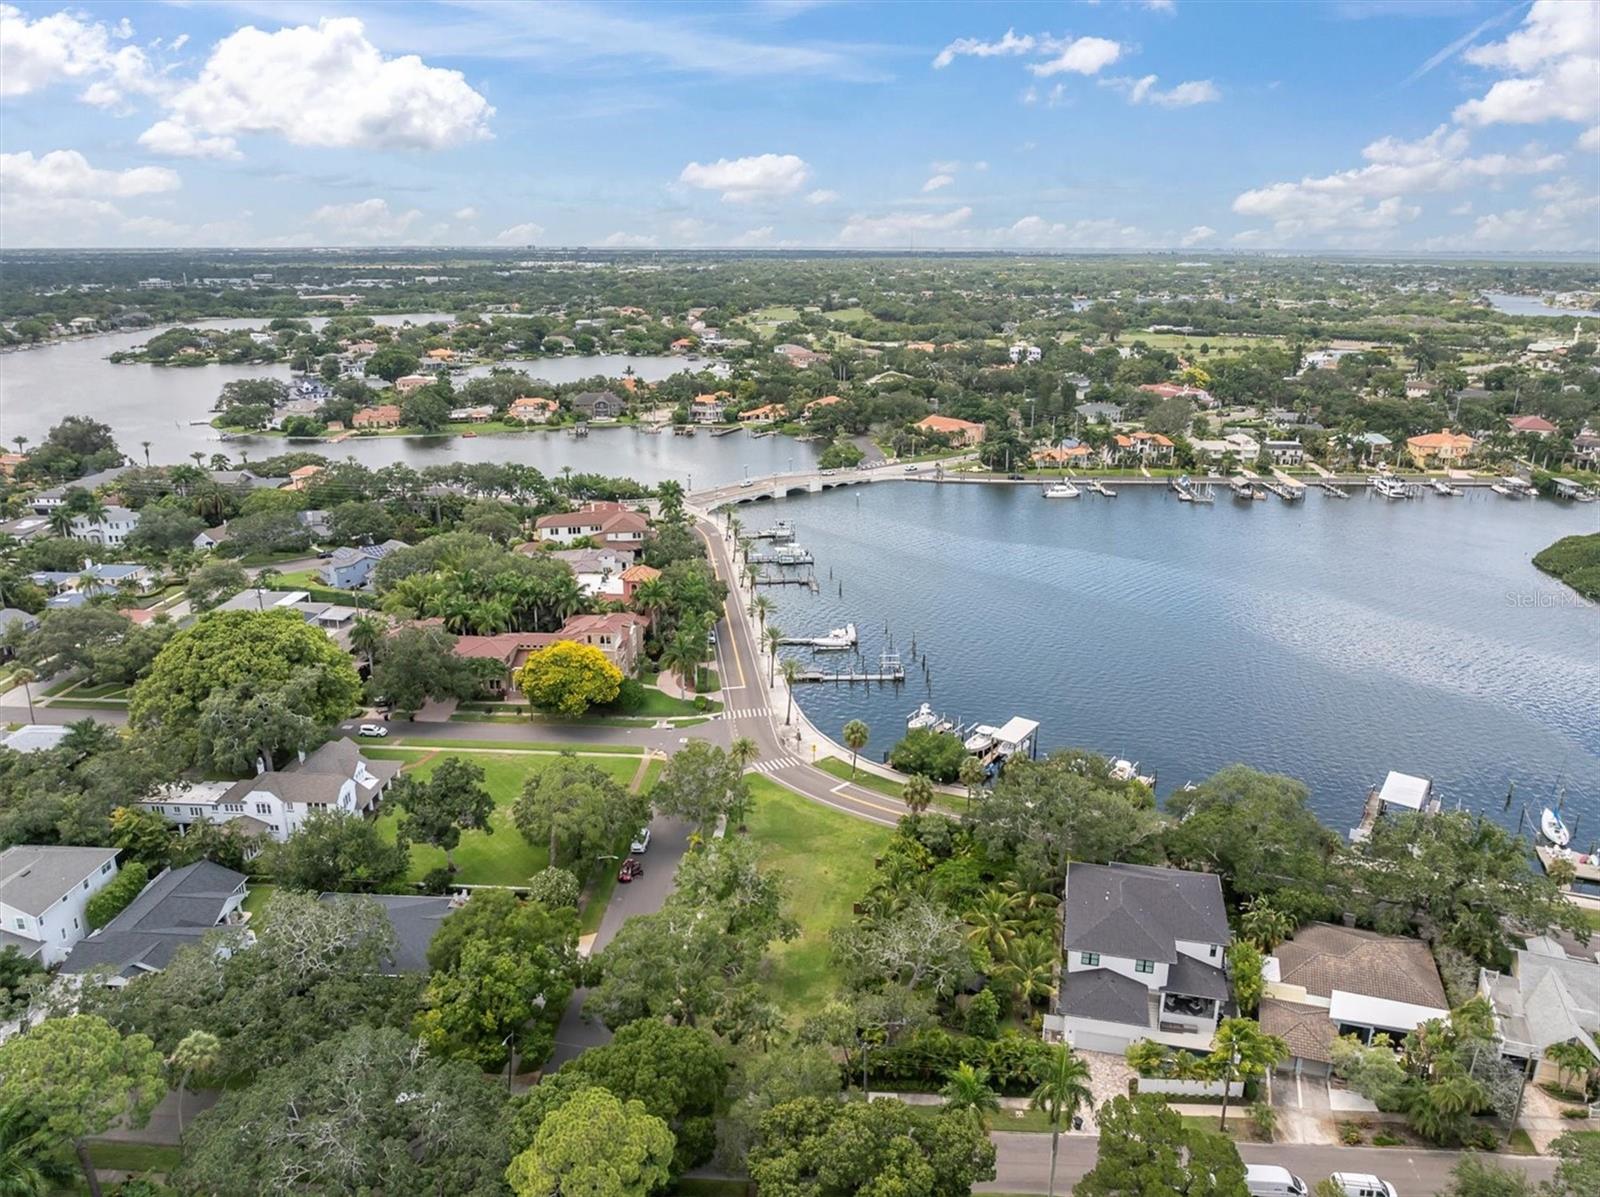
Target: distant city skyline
x,y
1451,126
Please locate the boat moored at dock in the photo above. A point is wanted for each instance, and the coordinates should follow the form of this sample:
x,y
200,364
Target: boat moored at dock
x,y
836,640
1061,490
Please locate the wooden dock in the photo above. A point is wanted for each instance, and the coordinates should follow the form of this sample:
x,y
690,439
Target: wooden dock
x,y
882,674
809,581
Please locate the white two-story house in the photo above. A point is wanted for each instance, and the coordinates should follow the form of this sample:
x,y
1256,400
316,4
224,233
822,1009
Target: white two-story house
x,y
43,893
110,529
274,804
1144,955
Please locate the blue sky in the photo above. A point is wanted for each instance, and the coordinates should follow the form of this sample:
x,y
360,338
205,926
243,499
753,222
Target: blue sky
x,y
1449,125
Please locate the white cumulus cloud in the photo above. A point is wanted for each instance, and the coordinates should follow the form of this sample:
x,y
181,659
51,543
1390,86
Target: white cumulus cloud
x,y
1566,218
822,196
368,220
1184,95
1080,56
760,176
172,140
64,174
67,46
327,85
974,47
896,227
1198,235
518,234
938,181
1553,59
467,213
622,240
1037,232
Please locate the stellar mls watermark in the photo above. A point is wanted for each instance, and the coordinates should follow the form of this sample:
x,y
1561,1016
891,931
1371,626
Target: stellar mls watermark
x,y
1547,598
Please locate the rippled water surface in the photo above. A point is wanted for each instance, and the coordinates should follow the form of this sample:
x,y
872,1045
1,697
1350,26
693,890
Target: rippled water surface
x,y
1331,641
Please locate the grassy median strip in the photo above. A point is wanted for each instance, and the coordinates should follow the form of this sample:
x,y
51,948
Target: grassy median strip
x,y
421,745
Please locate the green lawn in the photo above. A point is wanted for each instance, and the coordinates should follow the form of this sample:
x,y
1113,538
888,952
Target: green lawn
x,y
868,781
256,900
826,859
848,316
1240,1129
503,857
664,705
133,1157
518,746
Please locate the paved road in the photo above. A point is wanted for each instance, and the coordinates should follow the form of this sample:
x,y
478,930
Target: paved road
x,y
1023,1165
577,735
669,838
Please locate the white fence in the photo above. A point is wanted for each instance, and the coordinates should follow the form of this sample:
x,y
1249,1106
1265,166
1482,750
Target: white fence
x,y
1168,1087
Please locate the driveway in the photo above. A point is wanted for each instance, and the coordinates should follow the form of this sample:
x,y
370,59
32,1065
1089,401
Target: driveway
x,y
669,838
1108,1077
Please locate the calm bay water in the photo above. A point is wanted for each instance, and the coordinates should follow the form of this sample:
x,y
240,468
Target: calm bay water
x,y
161,404
1330,641
1530,305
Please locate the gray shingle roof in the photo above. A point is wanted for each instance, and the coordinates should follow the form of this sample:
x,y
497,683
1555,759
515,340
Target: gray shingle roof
x,y
1101,994
415,919
34,877
1139,911
173,911
1196,978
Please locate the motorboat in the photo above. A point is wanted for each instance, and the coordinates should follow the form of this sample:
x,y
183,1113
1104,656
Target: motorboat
x,y
1500,488
1443,488
1123,769
925,718
837,639
1390,488
1100,488
1553,829
1242,488
980,739
1513,488
1061,490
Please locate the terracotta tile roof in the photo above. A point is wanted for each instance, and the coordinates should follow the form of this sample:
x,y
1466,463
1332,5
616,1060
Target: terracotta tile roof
x,y
640,573
1323,957
947,424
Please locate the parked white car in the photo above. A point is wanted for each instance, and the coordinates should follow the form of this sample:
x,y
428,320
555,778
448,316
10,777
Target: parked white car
x,y
1271,1180
1362,1184
374,729
641,842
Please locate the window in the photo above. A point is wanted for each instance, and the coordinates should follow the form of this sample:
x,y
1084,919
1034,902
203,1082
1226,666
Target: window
x,y
1213,951
1144,966
263,809
1091,959
22,924
86,882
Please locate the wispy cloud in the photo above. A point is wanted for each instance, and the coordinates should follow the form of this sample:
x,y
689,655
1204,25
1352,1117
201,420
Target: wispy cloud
x,y
1439,57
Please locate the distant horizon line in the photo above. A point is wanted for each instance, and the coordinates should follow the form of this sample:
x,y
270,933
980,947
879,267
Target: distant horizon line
x,y
835,250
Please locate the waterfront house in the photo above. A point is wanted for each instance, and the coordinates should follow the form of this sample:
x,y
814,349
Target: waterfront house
x,y
1143,448
598,405
531,409
481,414
1286,453
1536,426
1372,445
1548,997
407,383
767,413
111,528
707,409
384,415
1586,449
176,910
350,568
1244,448
48,500
613,524
44,891
825,401
599,571
301,477
959,433
1328,981
1100,413
1442,448
1068,453
274,804
1143,958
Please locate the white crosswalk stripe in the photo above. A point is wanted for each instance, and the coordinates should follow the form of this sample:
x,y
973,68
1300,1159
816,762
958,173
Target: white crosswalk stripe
x,y
776,765
746,713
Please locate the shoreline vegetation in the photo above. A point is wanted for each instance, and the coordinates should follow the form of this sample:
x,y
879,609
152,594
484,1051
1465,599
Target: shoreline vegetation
x,y
1575,561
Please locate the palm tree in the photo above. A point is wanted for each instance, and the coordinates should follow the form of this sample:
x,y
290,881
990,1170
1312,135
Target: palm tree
x,y
856,734
1030,968
1241,1049
971,776
1147,1057
993,923
751,573
683,655
791,670
25,678
19,441
366,636
774,638
917,793
651,597
198,1052
61,522
1063,1088
760,606
743,752
146,446
1264,925
967,1088
198,458
30,1163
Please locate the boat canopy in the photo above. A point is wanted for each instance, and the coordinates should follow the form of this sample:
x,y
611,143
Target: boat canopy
x,y
1017,731
1401,789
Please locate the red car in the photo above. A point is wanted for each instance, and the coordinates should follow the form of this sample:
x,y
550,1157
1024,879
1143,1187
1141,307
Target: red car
x,y
630,869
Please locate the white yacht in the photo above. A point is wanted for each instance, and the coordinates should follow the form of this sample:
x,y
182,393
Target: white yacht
x,y
1553,829
837,639
1443,488
1390,488
1061,490
925,718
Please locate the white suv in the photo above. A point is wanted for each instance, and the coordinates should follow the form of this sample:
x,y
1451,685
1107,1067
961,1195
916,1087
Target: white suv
x,y
641,842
